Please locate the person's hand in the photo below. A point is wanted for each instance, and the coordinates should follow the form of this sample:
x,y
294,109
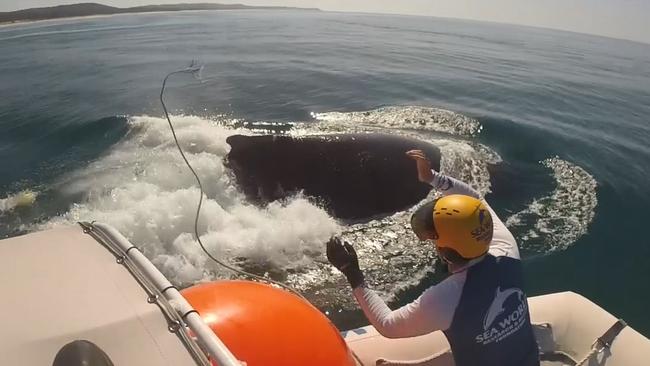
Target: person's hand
x,y
423,165
344,258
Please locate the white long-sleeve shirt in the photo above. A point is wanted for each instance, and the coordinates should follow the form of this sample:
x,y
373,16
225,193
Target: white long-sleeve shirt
x,y
435,308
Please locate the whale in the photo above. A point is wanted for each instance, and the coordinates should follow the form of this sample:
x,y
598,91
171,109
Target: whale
x,y
355,177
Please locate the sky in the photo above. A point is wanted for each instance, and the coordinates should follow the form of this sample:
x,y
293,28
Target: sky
x,y
626,19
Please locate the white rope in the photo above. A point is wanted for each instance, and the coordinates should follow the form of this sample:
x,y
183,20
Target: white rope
x,y
195,69
594,351
605,341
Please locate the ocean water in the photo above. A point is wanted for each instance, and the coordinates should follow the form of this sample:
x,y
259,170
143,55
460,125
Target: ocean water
x,y
551,126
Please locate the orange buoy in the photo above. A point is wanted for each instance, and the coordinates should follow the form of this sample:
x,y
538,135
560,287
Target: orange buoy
x,y
266,326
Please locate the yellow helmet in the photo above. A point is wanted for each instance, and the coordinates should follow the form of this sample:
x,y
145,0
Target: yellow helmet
x,y
460,226
464,224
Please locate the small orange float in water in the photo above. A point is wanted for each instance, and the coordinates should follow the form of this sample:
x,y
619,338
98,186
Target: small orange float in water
x,y
266,326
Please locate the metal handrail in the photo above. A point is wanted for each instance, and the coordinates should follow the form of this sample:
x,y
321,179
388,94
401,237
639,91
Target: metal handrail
x,y
161,292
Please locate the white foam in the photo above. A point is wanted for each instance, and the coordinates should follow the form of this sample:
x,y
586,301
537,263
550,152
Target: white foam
x,y
557,220
467,161
143,188
407,117
21,199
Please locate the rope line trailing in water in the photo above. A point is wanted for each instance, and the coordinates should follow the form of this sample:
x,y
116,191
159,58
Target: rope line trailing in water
x,y
195,70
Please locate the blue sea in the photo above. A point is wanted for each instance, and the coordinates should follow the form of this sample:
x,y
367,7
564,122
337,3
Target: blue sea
x,y
551,126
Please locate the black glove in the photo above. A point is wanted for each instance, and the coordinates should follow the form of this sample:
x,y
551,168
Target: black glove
x,y
344,258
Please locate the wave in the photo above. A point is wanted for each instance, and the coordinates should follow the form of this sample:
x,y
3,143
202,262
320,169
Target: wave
x,y
70,31
556,221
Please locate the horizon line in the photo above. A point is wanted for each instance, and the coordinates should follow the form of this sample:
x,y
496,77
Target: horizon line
x,y
289,8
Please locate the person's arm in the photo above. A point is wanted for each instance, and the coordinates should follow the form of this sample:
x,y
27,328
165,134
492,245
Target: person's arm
x,y
445,184
433,310
503,242
449,185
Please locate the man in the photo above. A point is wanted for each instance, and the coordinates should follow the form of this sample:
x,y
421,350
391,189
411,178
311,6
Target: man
x,y
480,307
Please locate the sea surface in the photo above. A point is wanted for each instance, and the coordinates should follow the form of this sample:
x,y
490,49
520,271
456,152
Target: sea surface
x,y
553,127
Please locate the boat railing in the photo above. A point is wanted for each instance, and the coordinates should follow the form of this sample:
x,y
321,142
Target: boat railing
x,y
178,312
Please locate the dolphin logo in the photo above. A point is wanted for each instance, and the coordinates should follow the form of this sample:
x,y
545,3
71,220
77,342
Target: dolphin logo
x,y
496,308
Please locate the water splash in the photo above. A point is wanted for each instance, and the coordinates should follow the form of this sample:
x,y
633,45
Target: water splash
x,y
557,220
143,189
24,198
407,117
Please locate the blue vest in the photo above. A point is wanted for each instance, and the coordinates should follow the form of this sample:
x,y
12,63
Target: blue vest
x,y
491,325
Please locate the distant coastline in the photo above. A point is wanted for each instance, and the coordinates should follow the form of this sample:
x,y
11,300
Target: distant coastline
x,y
93,9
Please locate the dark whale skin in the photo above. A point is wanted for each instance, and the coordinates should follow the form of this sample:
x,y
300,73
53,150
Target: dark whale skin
x,y
355,176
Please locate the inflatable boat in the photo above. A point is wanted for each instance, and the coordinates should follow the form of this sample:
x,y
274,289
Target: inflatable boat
x,y
85,295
